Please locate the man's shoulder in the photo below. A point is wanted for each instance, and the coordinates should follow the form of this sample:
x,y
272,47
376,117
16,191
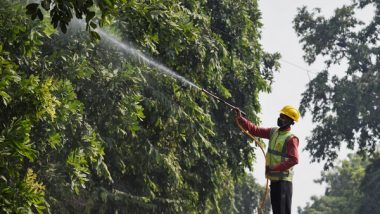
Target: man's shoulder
x,y
292,137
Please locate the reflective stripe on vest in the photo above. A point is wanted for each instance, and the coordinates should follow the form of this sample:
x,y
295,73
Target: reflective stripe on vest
x,y
277,153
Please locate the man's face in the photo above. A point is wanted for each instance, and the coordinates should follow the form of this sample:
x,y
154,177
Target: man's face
x,y
284,120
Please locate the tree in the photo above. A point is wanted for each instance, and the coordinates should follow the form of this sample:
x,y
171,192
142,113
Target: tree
x,y
371,188
342,194
248,196
344,107
103,133
42,137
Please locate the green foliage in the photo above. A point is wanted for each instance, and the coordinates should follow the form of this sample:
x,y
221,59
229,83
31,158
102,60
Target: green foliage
x,y
342,194
344,106
90,129
248,195
351,188
370,187
22,197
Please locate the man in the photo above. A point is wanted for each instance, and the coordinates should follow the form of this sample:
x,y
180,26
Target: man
x,y
280,158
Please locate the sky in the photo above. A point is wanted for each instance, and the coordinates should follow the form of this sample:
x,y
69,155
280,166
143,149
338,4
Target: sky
x,y
278,35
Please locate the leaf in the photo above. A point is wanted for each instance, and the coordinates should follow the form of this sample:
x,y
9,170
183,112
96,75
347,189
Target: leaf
x,y
89,16
54,140
49,30
93,25
40,15
63,27
6,97
46,4
108,3
94,35
31,8
34,16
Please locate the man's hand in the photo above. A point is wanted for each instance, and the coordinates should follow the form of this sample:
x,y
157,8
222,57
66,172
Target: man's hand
x,y
268,169
237,112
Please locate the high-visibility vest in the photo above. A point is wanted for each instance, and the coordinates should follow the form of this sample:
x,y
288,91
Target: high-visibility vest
x,y
277,153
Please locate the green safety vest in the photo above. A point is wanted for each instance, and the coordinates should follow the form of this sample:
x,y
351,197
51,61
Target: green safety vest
x,y
277,153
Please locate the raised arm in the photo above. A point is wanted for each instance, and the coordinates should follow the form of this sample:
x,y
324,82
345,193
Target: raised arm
x,y
253,129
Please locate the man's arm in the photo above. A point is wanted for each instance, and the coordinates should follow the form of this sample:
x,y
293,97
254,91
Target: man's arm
x,y
292,148
253,129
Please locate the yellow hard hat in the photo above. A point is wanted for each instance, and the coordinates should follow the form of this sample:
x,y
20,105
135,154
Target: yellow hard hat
x,y
291,112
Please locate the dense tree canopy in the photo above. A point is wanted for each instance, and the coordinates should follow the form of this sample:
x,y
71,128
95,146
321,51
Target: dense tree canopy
x,y
85,128
343,104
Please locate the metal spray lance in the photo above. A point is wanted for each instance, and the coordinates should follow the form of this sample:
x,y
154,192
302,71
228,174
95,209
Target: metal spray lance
x,y
221,100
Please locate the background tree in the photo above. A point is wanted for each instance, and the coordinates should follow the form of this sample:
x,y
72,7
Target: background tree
x,y
370,187
351,188
345,106
248,196
342,194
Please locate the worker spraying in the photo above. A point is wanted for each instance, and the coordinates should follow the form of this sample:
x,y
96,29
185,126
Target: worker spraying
x,y
281,156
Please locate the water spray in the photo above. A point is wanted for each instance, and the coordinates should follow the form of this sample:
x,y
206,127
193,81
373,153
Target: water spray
x,y
130,50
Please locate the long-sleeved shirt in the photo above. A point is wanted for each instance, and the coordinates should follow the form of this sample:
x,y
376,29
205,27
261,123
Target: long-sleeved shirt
x,y
292,145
